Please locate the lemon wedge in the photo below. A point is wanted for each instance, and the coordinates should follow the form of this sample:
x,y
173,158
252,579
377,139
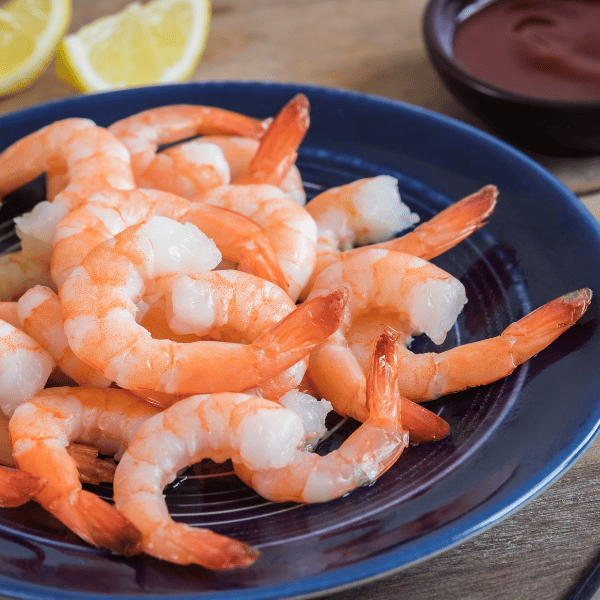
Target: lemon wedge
x,y
159,42
30,31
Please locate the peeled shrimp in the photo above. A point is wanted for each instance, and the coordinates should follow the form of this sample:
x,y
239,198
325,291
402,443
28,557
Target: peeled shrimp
x,y
143,132
92,158
291,231
337,368
428,240
234,307
98,301
263,439
41,430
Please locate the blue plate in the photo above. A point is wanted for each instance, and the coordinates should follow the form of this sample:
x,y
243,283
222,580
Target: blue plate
x,y
509,440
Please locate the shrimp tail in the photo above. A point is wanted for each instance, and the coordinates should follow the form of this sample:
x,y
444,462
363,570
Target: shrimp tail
x,y
483,362
303,330
91,468
17,487
423,425
278,149
382,396
541,327
185,545
97,522
448,228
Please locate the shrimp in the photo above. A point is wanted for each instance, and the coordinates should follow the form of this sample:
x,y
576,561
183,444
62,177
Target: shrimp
x,y
241,240
291,231
338,366
92,158
263,440
41,430
228,306
238,153
98,303
428,240
144,132
17,487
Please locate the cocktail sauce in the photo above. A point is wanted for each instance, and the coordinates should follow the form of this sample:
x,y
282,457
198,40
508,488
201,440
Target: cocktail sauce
x,y
541,48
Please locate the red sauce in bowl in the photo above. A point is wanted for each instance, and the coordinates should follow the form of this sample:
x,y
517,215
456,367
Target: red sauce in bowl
x,y
542,48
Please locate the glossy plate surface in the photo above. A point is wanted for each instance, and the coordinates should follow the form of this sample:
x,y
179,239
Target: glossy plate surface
x,y
509,439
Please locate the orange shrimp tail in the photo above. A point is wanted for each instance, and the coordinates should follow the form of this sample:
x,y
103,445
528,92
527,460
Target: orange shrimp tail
x,y
382,397
188,545
277,151
97,522
17,487
423,425
303,330
541,327
449,227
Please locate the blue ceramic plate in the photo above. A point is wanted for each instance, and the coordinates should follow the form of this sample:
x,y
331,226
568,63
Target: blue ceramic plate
x,y
509,439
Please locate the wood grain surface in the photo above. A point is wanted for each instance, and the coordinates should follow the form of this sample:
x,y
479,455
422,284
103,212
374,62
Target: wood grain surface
x,y
375,46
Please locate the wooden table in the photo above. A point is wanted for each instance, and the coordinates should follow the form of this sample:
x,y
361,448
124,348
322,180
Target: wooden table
x,y
375,46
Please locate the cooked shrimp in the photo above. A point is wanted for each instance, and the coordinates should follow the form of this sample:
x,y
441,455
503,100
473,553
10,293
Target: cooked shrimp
x,y
92,158
241,240
238,153
41,430
430,239
337,368
40,316
17,487
291,231
233,307
263,440
144,132
98,303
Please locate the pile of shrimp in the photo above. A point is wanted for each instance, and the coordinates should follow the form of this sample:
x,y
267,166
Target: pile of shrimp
x,y
173,305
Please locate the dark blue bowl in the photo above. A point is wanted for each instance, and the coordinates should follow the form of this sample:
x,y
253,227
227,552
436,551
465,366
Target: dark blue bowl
x,y
509,439
553,127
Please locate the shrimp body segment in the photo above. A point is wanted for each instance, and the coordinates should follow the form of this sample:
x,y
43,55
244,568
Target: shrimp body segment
x,y
99,305
24,367
263,439
40,315
41,431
